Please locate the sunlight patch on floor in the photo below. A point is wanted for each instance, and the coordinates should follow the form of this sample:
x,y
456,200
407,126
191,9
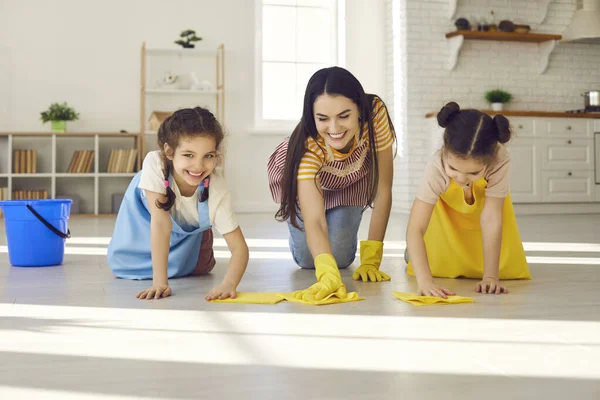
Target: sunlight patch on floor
x,y
521,348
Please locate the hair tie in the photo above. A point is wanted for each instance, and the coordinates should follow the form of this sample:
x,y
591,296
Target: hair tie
x,y
166,182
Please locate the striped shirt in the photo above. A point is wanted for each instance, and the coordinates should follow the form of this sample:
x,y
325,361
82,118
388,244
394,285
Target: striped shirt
x,y
342,176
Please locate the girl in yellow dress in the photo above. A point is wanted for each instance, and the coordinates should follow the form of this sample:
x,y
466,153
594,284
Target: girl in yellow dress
x,y
462,222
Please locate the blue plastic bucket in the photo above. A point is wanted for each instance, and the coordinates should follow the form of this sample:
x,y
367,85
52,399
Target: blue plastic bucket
x,y
36,231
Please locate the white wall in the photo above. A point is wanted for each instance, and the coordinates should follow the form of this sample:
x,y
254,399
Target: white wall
x,y
88,54
366,44
483,65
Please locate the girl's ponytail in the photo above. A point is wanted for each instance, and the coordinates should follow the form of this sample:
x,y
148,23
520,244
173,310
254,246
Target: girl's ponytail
x,y
170,193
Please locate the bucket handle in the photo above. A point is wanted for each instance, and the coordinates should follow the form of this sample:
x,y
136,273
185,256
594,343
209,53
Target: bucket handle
x,y
48,225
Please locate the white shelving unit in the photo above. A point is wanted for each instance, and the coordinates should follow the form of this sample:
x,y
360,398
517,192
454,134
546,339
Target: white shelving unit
x,y
54,152
180,62
183,91
546,43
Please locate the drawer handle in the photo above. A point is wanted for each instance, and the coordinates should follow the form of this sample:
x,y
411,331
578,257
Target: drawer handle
x,y
520,126
568,127
570,174
569,142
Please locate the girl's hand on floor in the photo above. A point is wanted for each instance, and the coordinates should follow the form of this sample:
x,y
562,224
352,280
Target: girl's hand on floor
x,y
491,286
155,292
431,289
223,291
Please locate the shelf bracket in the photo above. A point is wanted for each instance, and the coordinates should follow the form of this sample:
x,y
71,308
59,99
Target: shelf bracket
x,y
543,10
455,44
452,9
545,49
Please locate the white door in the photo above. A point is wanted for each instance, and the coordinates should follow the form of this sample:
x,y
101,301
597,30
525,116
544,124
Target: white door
x,y
525,184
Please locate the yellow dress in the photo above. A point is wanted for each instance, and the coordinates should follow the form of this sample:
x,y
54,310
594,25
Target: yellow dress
x,y
453,238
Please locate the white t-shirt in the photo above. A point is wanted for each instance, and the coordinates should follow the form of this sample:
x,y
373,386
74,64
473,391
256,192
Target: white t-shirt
x,y
185,209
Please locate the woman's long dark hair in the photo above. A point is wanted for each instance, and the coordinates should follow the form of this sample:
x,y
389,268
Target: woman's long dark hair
x,y
332,81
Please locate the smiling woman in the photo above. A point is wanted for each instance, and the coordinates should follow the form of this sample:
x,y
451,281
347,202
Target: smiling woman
x,y
337,162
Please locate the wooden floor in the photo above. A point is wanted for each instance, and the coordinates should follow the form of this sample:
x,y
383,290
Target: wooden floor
x,y
75,332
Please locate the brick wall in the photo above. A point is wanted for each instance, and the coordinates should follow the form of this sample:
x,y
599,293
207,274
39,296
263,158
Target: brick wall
x,y
420,26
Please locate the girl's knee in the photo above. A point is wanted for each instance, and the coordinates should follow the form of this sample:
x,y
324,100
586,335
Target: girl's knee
x,y
206,257
205,264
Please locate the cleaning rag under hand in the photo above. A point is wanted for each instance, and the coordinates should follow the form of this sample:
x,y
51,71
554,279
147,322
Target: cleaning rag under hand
x,y
417,300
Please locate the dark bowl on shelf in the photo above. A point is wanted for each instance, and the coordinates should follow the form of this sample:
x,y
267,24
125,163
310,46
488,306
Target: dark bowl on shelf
x,y
506,26
462,24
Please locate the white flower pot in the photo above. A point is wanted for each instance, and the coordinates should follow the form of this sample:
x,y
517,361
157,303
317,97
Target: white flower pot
x,y
497,106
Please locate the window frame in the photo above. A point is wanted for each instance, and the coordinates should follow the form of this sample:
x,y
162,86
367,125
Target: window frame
x,y
338,57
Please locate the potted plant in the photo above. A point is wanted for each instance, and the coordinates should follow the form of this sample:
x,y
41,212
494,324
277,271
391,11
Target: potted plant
x,y
190,37
59,114
497,97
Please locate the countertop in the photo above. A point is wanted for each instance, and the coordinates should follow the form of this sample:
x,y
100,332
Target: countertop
x,y
547,114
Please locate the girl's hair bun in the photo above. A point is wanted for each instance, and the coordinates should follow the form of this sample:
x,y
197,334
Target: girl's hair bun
x,y
503,128
446,114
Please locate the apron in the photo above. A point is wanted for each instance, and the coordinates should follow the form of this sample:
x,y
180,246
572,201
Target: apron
x,y
344,182
129,253
453,237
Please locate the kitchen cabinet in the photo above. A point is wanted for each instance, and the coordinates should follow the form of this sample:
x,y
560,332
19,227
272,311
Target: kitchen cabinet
x,y
568,128
523,127
568,154
525,182
597,160
568,186
553,160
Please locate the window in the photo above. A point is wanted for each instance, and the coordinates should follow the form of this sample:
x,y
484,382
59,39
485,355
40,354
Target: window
x,y
396,35
295,38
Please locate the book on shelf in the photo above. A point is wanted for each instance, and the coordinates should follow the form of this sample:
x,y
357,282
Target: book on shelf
x,y
81,162
121,161
25,161
3,196
29,194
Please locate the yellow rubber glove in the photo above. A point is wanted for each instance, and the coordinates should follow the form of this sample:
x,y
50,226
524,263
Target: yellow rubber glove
x,y
329,281
371,252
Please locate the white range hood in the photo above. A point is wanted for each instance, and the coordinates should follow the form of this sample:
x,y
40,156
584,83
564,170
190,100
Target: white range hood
x,y
585,25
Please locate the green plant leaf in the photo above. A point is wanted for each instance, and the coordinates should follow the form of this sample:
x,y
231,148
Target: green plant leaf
x,y
498,96
59,112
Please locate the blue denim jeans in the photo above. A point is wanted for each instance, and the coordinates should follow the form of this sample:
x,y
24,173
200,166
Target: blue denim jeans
x,y
342,224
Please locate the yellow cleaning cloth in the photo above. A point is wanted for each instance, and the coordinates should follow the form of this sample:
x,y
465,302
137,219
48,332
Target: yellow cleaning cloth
x,y
254,298
416,300
274,298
